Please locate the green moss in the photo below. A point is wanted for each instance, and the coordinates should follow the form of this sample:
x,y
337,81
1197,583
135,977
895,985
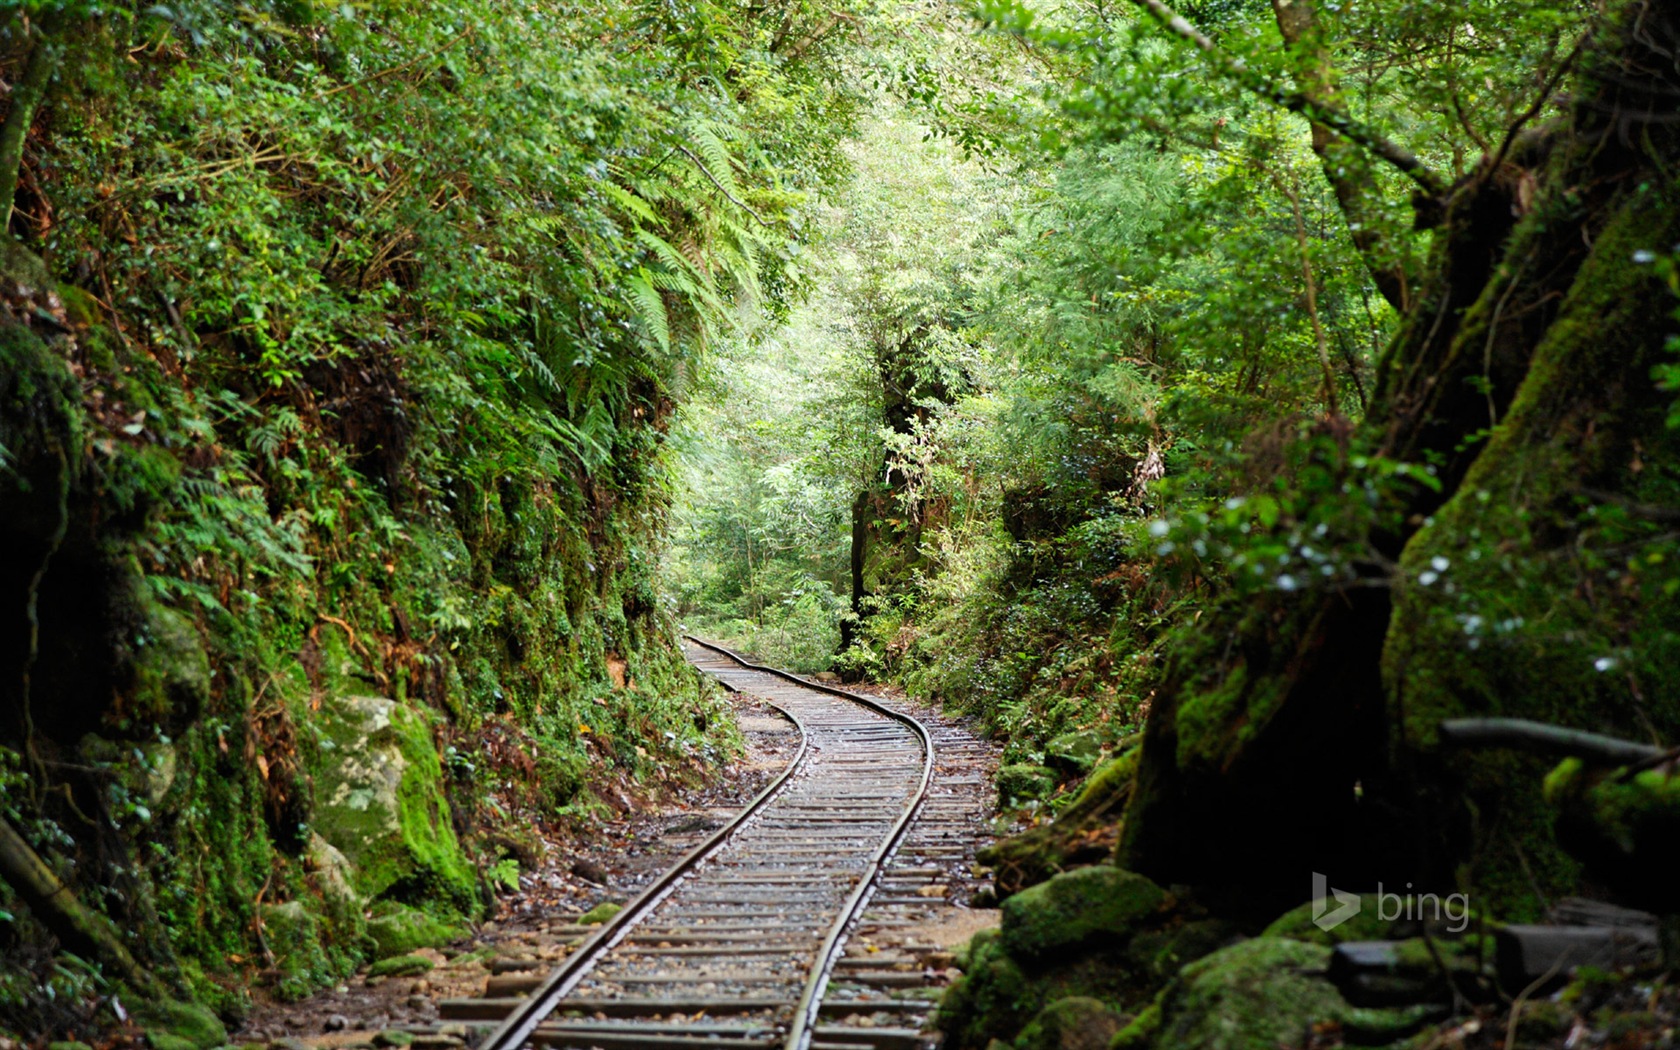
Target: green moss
x,y
1105,789
397,929
1077,908
1157,955
1074,753
971,951
992,999
401,966
600,913
1264,993
1540,1021
1141,1031
1297,924
187,1021
1622,825
1075,1023
294,935
139,479
171,668
80,308
380,801
1023,782
1522,596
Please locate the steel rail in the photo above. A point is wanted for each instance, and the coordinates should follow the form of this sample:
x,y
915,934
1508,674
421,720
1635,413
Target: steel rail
x,y
805,1014
532,1011
527,1018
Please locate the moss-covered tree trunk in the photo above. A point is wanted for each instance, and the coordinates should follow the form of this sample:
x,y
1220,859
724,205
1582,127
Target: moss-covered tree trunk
x,y
1301,728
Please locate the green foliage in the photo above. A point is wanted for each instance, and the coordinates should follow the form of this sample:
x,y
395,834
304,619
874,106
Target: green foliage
x,y
380,315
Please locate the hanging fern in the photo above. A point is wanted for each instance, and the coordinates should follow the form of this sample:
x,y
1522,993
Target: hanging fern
x,y
650,307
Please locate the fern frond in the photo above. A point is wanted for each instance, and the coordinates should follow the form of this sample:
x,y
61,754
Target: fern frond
x,y
711,148
632,204
650,307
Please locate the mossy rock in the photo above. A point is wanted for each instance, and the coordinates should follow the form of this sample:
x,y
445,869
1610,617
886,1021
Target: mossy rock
x,y
397,929
1297,924
1074,754
993,998
401,966
1023,782
1075,1023
1265,993
379,800
161,1040
330,871
171,668
68,1045
187,1021
146,768
600,913
1157,955
1077,908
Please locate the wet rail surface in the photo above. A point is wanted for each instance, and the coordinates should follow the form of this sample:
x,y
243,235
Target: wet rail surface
x,y
765,934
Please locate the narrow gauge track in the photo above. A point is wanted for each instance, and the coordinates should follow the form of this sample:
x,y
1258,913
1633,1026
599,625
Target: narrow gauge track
x,y
735,944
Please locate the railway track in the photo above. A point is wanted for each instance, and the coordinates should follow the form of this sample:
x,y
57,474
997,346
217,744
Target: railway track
x,y
795,924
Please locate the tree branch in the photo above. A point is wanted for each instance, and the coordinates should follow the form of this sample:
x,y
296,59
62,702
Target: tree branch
x,y
1299,102
1541,738
685,151
26,96
58,909
1345,167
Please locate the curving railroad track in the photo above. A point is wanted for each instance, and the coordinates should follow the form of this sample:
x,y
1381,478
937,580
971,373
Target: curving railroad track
x,y
764,935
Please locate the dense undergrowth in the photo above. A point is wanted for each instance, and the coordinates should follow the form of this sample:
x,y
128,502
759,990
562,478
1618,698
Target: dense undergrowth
x,y
340,347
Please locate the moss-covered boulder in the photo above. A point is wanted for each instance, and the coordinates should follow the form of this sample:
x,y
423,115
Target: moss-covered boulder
x,y
1023,782
1298,924
397,929
330,871
1266,993
1076,1023
177,1020
993,998
171,668
379,800
1075,909
1157,955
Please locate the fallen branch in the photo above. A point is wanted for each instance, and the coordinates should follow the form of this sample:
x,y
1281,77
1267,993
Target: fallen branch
x,y
1542,739
59,910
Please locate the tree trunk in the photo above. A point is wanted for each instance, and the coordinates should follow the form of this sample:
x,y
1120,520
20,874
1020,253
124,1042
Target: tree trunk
x,y
1302,727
